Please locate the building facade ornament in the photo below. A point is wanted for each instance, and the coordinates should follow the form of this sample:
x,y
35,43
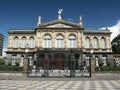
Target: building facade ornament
x,y
59,13
80,23
39,21
59,35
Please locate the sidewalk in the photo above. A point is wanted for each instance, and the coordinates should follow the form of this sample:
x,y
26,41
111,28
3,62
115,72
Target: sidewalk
x,y
59,85
98,81
95,76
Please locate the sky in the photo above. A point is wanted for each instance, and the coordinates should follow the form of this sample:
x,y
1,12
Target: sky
x,y
23,14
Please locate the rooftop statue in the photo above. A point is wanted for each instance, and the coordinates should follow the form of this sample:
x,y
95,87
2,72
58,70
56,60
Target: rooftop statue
x,y
59,13
80,23
39,21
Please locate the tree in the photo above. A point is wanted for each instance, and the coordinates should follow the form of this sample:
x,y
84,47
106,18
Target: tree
x,y
2,62
116,45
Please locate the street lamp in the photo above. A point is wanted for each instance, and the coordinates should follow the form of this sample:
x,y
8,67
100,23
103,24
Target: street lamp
x,y
26,62
46,73
26,51
91,52
72,65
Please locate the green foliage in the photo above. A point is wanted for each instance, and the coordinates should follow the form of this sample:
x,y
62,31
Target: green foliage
x,y
11,68
107,68
2,62
101,63
9,63
109,64
116,45
16,63
34,62
97,68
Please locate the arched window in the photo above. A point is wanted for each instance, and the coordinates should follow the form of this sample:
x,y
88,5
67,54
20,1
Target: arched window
x,y
31,42
72,41
23,42
87,42
47,41
15,44
59,41
95,42
103,42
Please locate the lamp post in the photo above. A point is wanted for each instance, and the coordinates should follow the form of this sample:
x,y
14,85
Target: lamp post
x,y
72,65
26,62
46,74
91,52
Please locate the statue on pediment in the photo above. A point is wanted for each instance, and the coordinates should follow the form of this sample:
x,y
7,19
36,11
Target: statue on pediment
x,y
59,13
39,21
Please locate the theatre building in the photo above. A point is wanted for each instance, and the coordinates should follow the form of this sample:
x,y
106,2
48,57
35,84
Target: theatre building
x,y
1,43
55,41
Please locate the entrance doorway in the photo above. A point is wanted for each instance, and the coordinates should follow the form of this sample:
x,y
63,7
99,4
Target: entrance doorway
x,y
59,62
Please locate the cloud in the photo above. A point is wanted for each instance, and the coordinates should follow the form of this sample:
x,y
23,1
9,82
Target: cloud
x,y
3,53
115,29
69,19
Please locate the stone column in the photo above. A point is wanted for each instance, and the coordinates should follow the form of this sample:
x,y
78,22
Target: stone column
x,y
25,68
99,43
91,41
72,65
41,41
92,65
46,65
66,40
53,39
107,43
82,41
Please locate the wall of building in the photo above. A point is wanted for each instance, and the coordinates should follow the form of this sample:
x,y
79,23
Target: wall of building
x,y
1,43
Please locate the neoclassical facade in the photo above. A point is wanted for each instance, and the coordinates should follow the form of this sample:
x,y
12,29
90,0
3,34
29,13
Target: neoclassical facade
x,y
1,43
59,36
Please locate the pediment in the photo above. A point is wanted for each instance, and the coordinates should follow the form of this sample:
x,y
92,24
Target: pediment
x,y
59,24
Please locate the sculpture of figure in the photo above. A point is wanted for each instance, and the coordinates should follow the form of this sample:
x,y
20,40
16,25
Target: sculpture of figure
x,y
39,21
59,13
80,23
80,18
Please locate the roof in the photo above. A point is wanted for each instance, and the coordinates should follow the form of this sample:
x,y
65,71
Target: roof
x,y
21,30
97,31
59,24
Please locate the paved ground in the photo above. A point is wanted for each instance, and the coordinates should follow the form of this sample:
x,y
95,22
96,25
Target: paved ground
x,y
99,81
59,84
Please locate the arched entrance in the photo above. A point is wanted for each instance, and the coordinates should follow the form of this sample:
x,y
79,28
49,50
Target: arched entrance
x,y
59,62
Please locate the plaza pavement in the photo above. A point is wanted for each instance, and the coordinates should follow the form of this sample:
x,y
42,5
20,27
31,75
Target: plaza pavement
x,y
102,81
59,84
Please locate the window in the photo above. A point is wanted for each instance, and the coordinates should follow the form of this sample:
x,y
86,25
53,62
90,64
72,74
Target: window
x,y
30,61
31,42
87,42
87,61
72,41
95,45
103,43
13,60
21,62
23,42
15,44
47,41
60,41
104,61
